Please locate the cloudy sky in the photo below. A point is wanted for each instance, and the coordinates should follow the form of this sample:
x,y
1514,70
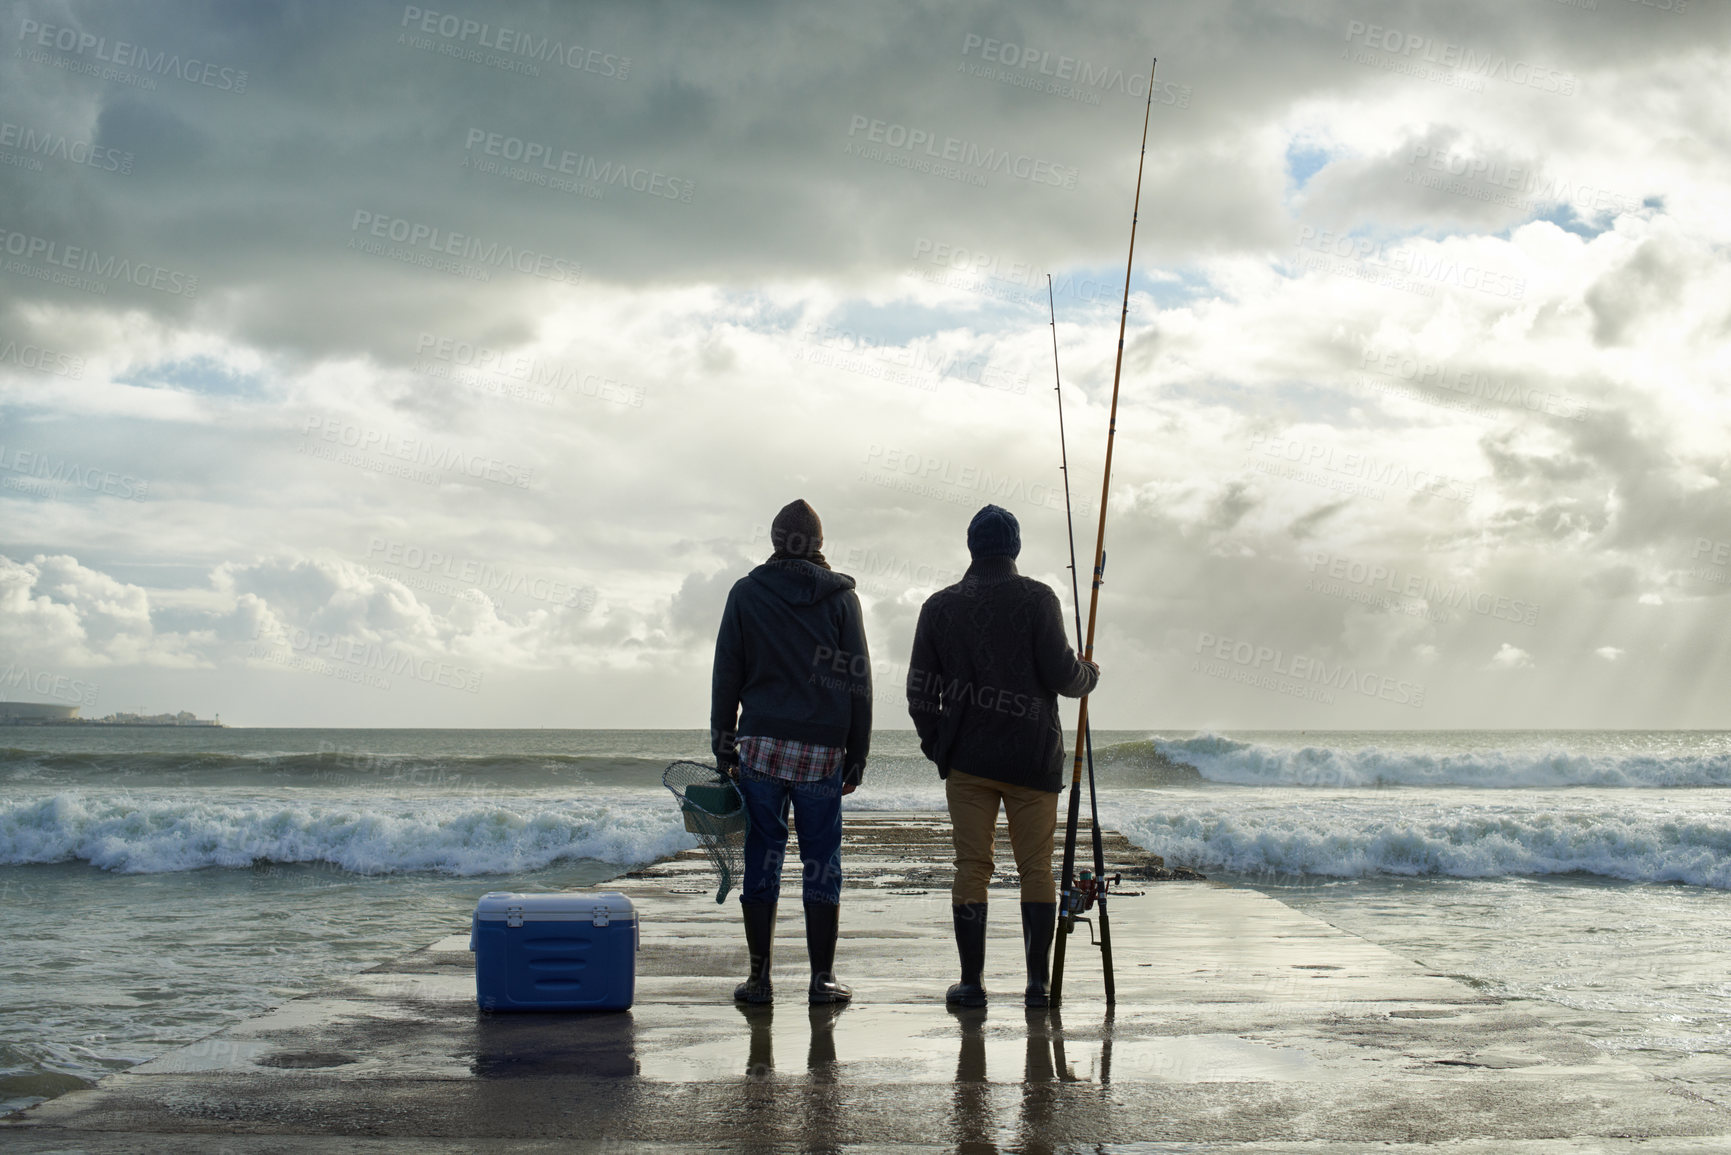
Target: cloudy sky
x,y
371,364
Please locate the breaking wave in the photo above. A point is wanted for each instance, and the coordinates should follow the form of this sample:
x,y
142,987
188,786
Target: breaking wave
x,y
143,834
1241,763
1349,838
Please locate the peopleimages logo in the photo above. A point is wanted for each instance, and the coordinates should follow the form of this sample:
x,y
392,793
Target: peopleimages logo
x,y
1459,59
1718,553
951,481
463,246
547,376
81,259
926,688
1470,383
472,573
1525,185
59,146
1454,595
1262,665
1062,68
50,685
1021,281
554,161
1360,468
314,646
1412,261
928,144
393,448
871,567
34,35
42,360
855,352
51,473
1068,77
525,47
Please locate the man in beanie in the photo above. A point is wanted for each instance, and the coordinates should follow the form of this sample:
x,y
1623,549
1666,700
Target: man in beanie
x,y
790,718
990,659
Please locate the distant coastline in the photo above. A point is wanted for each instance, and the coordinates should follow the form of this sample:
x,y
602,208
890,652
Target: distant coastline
x,y
54,714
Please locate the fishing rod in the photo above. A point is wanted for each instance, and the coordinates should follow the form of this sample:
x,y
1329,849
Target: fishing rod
x,y
1074,898
1071,906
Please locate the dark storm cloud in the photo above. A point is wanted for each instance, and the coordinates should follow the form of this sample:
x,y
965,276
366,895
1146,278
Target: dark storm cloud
x,y
360,109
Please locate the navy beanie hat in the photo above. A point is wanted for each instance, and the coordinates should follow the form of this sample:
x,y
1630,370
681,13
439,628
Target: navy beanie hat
x,y
994,533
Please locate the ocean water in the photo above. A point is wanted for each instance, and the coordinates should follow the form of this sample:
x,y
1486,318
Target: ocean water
x,y
159,884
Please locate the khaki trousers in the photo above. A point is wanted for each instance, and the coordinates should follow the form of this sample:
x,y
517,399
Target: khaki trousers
x,y
1033,816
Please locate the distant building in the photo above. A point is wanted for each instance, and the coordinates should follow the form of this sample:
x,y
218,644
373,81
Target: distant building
x,y
35,713
47,714
184,718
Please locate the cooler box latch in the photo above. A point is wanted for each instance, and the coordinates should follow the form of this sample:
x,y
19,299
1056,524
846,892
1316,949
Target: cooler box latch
x,y
513,916
602,916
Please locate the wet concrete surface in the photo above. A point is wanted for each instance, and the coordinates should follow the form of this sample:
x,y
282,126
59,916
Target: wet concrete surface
x,y
1240,1025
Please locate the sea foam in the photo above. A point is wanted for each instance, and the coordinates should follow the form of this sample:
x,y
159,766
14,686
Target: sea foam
x,y
143,833
1346,837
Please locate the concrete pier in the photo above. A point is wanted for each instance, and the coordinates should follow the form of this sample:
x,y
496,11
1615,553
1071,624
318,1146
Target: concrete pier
x,y
1240,1025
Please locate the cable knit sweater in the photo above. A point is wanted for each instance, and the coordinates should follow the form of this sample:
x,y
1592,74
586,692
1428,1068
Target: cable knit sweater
x,y
990,659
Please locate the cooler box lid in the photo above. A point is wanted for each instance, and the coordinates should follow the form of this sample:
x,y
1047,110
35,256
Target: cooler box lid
x,y
597,907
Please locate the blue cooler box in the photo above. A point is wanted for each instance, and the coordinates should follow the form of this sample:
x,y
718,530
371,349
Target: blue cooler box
x,y
554,952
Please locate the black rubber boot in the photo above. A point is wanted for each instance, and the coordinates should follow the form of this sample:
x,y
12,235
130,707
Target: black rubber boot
x,y
822,928
970,918
760,944
1038,921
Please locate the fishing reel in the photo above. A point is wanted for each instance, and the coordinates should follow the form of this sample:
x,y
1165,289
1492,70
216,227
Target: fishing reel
x,y
1093,889
1079,899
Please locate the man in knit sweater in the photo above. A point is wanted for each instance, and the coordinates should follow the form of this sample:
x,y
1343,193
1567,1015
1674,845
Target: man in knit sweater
x,y
989,661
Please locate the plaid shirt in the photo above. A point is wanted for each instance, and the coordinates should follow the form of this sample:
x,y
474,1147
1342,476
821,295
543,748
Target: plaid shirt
x,y
788,760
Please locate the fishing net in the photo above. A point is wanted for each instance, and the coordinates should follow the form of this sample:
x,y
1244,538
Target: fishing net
x,y
714,811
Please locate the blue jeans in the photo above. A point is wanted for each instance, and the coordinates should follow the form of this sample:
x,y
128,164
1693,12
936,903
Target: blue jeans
x,y
817,817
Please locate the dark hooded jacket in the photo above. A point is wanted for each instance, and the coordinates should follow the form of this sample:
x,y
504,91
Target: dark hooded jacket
x,y
990,659
791,662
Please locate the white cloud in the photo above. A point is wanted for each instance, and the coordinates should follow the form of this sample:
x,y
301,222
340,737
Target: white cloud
x,y
1510,657
56,612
